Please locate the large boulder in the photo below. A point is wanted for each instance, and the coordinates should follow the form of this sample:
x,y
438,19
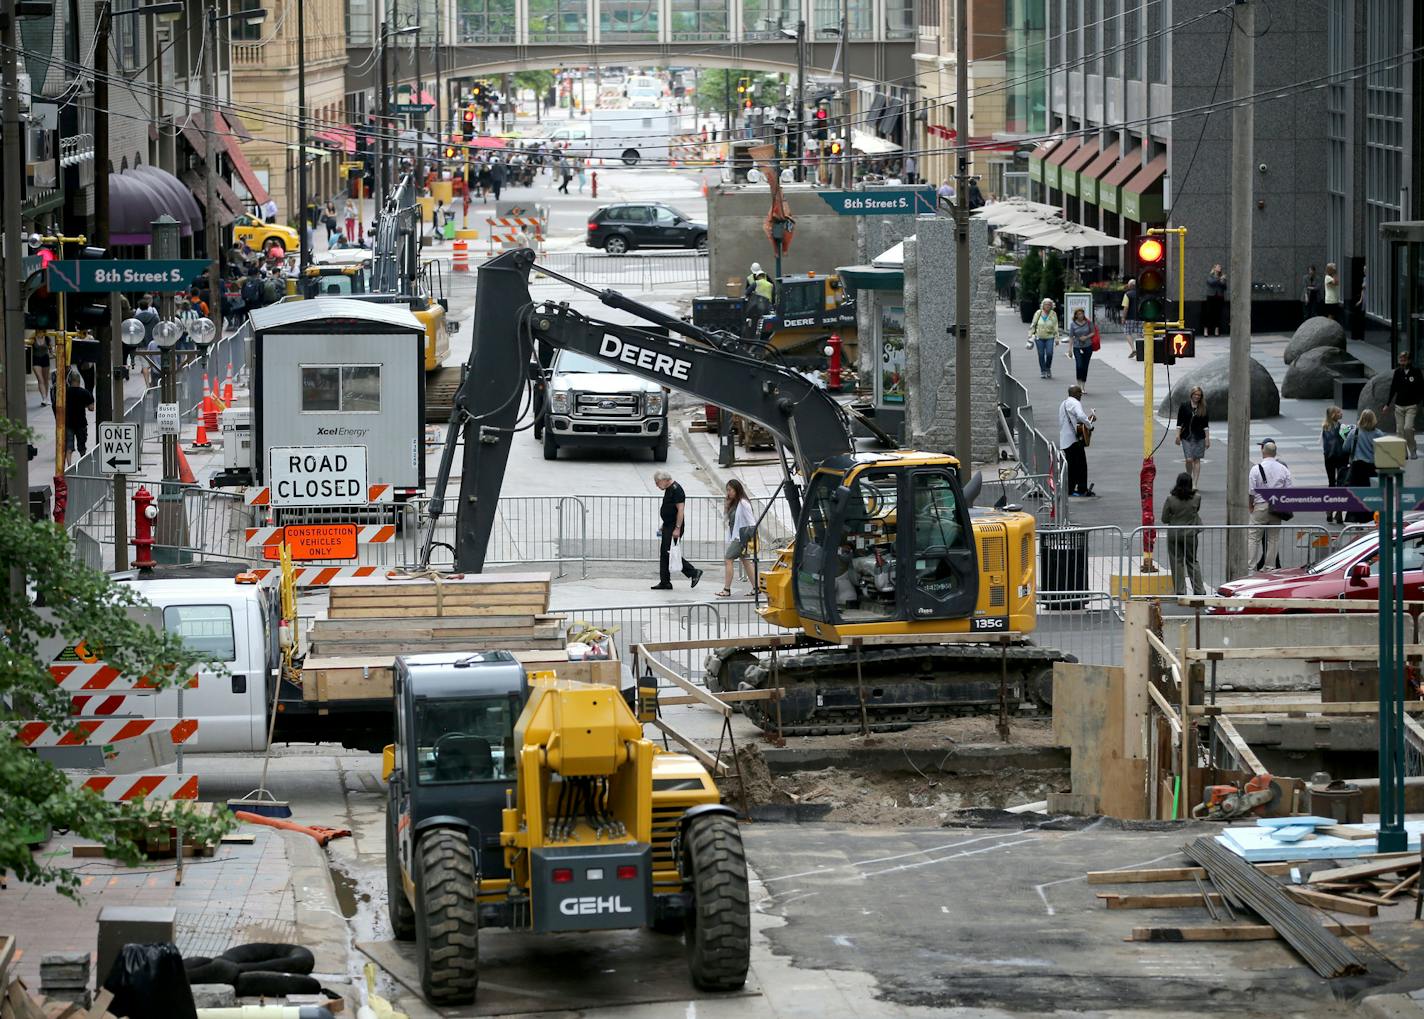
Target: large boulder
x,y
1214,378
1313,333
1312,375
1372,397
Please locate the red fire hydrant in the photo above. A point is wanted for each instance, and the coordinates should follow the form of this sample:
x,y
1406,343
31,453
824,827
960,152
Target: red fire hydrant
x,y
145,513
594,177
833,351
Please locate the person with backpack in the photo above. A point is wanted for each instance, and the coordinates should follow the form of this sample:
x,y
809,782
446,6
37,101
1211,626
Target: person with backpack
x,y
1360,451
1043,333
252,291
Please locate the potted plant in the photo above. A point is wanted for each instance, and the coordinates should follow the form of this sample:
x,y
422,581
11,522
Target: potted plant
x,y
1051,283
1030,280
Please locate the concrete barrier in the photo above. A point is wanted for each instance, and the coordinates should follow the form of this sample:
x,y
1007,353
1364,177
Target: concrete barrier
x,y
1304,630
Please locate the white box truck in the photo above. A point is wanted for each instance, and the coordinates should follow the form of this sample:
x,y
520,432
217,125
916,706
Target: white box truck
x,y
627,135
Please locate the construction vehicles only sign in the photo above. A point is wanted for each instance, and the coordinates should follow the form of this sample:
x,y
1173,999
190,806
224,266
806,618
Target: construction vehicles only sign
x,y
317,475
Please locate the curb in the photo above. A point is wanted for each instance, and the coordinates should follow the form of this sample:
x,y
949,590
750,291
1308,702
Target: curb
x,y
320,924
1392,1006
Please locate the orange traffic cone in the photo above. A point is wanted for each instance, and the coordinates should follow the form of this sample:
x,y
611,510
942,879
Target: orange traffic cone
x,y
704,189
227,386
200,438
185,473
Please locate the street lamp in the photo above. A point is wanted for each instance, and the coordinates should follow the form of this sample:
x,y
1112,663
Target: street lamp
x,y
800,36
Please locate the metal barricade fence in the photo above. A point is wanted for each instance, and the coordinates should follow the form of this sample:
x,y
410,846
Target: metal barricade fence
x,y
642,624
631,271
1297,545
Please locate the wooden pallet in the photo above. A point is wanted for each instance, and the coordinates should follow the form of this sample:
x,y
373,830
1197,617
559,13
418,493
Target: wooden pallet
x,y
477,595
159,840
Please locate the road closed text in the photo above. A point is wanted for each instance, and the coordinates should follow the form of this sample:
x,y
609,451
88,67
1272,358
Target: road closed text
x,y
317,475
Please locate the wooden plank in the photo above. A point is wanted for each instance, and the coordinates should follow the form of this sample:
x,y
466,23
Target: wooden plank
x,y
1339,604
401,624
759,643
1165,653
1164,900
664,672
1156,874
1405,885
357,587
1164,706
1394,863
1298,708
1347,832
1243,752
1337,903
102,1001
728,697
707,760
1238,932
433,611
1304,653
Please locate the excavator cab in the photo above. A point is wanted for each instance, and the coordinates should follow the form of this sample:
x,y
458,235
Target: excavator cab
x,y
886,539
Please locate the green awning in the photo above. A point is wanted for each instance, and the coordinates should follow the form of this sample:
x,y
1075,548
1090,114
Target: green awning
x,y
870,277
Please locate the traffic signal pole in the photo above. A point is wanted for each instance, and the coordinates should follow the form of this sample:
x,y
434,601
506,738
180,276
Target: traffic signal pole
x,y
1152,328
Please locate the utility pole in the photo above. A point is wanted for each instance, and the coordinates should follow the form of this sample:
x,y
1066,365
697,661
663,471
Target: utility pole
x,y
845,95
13,408
417,120
110,397
303,198
383,119
800,98
727,106
210,209
439,89
1238,411
963,429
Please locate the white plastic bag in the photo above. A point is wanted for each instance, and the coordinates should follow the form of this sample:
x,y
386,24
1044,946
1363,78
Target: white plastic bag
x,y
675,557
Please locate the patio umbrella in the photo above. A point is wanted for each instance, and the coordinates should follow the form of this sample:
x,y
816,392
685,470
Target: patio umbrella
x,y
1001,212
1032,226
1072,237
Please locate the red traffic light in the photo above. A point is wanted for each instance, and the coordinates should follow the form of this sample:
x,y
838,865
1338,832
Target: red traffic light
x,y
469,115
1150,250
822,113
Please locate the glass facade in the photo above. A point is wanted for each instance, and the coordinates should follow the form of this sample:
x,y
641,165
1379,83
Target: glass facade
x,y
628,20
1384,140
762,19
1156,44
699,19
1111,39
485,20
1131,34
1026,96
1337,133
558,21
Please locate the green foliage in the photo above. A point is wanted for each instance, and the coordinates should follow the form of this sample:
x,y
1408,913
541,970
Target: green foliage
x,y
1031,277
69,601
539,81
1052,283
717,89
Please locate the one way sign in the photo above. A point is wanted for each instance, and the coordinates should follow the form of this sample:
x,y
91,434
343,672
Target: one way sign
x,y
119,449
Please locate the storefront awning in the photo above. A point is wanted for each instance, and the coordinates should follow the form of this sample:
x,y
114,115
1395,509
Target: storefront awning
x,y
1053,165
1089,175
871,145
1068,174
229,205
178,198
871,277
489,142
1110,184
341,137
1037,156
133,206
195,133
1142,195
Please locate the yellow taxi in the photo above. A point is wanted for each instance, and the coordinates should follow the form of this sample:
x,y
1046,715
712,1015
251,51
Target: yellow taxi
x,y
260,236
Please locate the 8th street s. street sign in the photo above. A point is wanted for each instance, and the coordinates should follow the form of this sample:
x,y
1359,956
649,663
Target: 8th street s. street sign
x,y
881,201
110,275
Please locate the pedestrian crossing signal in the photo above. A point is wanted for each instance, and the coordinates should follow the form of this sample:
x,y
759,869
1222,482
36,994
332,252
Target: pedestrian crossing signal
x,y
1181,343
1151,280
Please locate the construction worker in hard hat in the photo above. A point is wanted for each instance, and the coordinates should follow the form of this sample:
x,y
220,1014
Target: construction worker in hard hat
x,y
759,295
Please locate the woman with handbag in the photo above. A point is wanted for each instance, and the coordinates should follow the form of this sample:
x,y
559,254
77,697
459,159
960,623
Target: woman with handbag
x,y
1083,335
1192,434
741,532
1337,461
1043,333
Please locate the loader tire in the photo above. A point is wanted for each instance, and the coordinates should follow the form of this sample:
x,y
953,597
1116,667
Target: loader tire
x,y
397,905
447,919
719,923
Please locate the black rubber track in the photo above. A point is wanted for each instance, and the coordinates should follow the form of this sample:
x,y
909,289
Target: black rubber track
x,y
719,929
447,919
397,905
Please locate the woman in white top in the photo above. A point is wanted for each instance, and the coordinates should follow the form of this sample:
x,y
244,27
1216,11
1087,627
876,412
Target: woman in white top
x,y
741,532
1332,293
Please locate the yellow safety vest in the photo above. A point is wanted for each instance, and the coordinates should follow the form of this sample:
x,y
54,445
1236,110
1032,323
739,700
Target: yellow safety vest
x,y
763,288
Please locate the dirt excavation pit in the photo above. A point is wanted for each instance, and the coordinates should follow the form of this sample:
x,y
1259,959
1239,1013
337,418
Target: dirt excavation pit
x,y
922,777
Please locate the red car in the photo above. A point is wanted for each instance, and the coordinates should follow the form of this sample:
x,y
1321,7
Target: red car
x,y
1352,572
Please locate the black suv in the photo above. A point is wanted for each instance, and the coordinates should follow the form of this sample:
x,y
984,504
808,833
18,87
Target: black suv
x,y
621,228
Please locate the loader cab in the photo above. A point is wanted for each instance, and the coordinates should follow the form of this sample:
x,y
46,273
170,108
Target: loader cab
x,y
454,753
885,539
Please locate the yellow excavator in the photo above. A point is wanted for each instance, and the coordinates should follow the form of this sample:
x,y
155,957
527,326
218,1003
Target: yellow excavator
x,y
890,577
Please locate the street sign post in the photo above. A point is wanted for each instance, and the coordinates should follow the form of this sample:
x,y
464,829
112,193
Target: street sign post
x,y
120,451
111,276
881,201
167,419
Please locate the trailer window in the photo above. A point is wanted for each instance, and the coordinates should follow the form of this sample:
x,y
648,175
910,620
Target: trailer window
x,y
204,629
342,388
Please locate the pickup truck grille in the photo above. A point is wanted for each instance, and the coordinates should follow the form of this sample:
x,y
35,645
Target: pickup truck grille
x,y
606,405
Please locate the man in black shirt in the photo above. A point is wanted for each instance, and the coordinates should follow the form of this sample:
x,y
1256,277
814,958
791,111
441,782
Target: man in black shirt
x,y
1405,391
674,504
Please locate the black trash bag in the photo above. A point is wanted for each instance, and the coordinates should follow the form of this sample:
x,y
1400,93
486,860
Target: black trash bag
x,y
271,957
259,983
149,980
202,970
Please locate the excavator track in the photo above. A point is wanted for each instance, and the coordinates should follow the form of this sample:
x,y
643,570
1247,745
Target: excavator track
x,y
903,685
440,388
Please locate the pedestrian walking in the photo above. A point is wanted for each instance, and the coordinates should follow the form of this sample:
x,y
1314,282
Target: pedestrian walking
x,y
1193,435
78,402
1337,461
1332,293
39,364
1310,292
1129,313
1075,432
1181,513
496,177
328,220
1266,535
1214,308
1083,335
437,219
581,168
353,217
566,174
1043,334
673,516
1360,449
741,532
1405,392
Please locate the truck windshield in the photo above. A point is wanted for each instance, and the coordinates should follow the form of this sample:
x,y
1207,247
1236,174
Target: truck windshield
x,y
465,739
569,362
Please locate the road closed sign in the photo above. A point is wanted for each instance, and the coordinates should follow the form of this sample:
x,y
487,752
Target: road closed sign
x,y
317,475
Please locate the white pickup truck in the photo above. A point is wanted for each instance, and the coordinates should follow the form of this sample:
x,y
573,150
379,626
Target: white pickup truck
x,y
591,403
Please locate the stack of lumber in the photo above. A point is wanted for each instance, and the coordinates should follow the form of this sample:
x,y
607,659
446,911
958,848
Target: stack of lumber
x,y
377,616
17,1001
1265,901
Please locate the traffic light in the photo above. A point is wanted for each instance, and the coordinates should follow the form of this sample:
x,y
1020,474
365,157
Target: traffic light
x,y
743,86
835,149
42,311
822,118
467,124
450,151
1181,343
1151,279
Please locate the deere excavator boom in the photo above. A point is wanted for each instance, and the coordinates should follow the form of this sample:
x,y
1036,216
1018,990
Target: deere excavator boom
x,y
508,324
